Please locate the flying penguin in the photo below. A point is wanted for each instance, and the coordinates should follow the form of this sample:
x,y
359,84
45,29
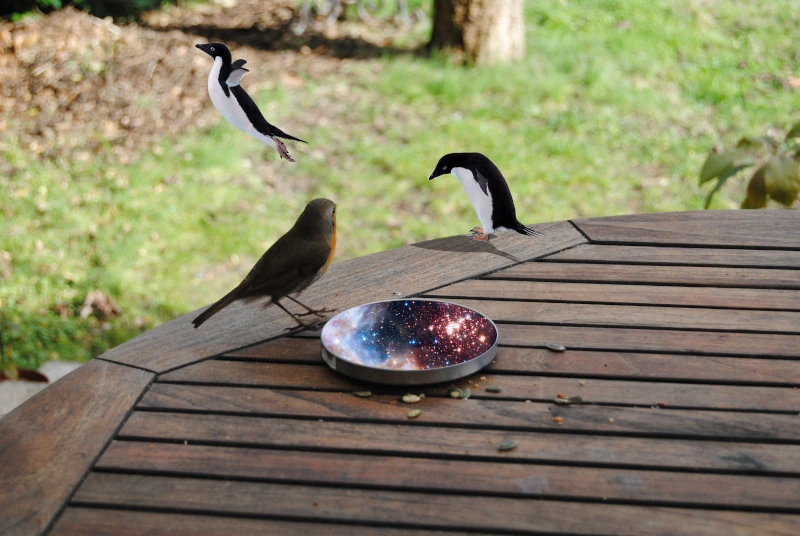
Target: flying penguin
x,y
235,104
486,189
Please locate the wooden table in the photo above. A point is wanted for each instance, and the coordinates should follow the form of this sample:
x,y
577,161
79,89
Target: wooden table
x,y
683,337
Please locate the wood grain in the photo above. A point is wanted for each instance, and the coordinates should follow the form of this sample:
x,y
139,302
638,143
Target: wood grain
x,y
386,275
578,363
760,258
50,442
582,314
428,441
728,228
731,298
542,388
479,413
410,509
81,521
712,276
436,476
652,340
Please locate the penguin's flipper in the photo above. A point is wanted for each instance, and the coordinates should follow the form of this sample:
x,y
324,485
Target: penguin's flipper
x,y
238,64
482,181
527,231
236,77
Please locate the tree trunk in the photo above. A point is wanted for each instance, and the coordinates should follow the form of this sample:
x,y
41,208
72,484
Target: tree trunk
x,y
484,31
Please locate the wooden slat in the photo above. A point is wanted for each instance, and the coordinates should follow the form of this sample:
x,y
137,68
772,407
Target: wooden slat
x,y
430,441
82,521
481,413
436,476
652,340
639,316
415,509
762,258
540,388
582,363
48,443
386,275
734,228
731,298
666,275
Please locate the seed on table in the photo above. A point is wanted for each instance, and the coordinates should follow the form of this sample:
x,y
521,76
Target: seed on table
x,y
492,389
410,399
558,420
414,413
508,444
455,392
363,394
555,347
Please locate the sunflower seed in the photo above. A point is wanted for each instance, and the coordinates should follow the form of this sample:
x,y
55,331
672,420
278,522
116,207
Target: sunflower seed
x,y
567,401
492,389
410,399
555,347
508,444
363,394
414,413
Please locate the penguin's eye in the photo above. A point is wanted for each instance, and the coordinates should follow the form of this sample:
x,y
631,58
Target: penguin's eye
x,y
212,49
445,168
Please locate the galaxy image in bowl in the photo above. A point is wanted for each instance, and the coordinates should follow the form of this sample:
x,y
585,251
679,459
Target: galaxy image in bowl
x,y
409,334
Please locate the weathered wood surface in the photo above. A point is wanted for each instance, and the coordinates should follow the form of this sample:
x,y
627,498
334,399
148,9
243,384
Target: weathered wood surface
x,y
719,228
577,363
386,275
683,341
415,510
51,441
676,256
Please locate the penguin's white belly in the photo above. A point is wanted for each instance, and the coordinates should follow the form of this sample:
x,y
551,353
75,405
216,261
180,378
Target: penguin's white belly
x,y
481,202
229,107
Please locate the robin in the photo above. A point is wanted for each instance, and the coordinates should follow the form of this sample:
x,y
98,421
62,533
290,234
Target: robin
x,y
291,265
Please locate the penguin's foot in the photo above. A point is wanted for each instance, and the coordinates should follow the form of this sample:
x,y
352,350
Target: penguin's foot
x,y
282,151
476,231
481,237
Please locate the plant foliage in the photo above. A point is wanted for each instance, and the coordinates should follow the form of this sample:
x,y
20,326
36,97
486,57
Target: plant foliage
x,y
777,174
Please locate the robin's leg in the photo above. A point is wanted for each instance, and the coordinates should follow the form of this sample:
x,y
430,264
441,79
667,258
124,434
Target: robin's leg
x,y
300,323
317,312
282,151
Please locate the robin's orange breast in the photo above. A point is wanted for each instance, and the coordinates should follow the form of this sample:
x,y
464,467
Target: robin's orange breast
x,y
333,248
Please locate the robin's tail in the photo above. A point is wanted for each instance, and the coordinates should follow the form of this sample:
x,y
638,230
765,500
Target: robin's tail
x,y
527,231
225,301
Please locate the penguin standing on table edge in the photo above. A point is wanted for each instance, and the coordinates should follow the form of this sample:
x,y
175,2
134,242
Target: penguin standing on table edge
x,y
486,189
235,104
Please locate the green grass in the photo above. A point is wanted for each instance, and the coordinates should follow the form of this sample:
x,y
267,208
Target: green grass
x,y
612,111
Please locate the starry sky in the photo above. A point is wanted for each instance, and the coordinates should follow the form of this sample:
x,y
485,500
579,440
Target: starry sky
x,y
409,334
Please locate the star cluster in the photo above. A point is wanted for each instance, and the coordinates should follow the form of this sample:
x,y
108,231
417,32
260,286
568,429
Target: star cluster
x,y
409,334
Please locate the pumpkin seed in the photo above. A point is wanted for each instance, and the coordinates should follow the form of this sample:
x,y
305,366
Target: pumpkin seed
x,y
410,399
363,394
492,389
466,393
555,347
414,413
508,444
455,392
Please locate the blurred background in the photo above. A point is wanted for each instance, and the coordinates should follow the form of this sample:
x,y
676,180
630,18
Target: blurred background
x,y
125,199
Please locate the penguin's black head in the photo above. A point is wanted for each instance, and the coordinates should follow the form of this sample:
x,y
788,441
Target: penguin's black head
x,y
217,50
454,160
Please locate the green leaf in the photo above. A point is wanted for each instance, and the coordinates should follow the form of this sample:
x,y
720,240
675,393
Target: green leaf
x,y
756,191
722,179
757,142
794,132
782,179
717,164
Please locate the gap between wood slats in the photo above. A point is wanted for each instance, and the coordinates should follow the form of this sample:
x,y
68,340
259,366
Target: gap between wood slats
x,y
477,414
489,479
450,443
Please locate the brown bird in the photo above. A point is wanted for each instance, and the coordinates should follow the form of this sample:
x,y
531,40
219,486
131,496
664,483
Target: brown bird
x,y
291,265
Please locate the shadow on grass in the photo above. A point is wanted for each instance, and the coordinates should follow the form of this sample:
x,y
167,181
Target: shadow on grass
x,y
464,244
282,38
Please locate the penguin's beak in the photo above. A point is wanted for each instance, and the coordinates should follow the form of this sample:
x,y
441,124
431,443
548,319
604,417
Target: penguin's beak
x,y
204,48
433,175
